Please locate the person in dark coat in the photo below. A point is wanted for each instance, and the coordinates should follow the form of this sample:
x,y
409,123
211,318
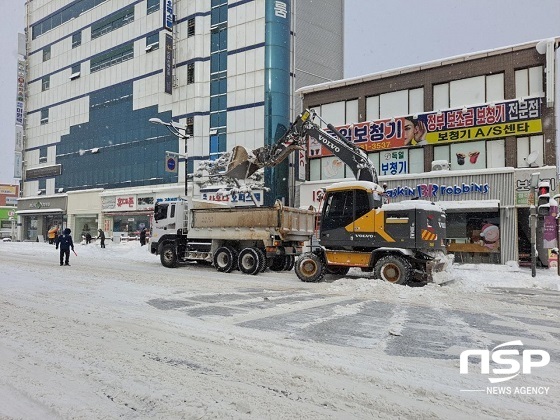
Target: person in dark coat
x,y
143,237
88,238
66,244
102,237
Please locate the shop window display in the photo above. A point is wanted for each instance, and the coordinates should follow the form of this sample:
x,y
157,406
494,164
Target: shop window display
x,y
130,226
474,237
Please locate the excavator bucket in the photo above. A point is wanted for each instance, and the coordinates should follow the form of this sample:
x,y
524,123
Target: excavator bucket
x,y
241,165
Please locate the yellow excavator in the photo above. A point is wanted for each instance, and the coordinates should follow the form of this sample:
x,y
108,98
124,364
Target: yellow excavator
x,y
401,242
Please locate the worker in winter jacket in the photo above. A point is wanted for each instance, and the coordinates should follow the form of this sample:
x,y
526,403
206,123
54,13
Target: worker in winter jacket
x,y
143,237
66,244
102,237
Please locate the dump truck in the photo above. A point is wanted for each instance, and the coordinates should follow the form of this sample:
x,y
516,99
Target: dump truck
x,y
246,238
401,242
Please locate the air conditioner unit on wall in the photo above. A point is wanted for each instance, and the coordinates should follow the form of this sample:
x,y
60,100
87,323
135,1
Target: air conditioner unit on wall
x,y
440,165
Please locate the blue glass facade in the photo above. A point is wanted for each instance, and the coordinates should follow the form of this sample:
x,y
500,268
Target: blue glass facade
x,y
131,150
277,91
218,78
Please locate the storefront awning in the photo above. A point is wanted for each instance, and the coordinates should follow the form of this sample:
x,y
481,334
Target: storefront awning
x,y
471,206
39,211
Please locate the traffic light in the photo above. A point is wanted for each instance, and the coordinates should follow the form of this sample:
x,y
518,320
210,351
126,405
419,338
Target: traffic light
x,y
543,203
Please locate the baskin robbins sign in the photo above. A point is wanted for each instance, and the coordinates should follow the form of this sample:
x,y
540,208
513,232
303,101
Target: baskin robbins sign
x,y
437,190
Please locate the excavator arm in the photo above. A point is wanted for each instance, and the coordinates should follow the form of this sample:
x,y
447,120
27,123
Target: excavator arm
x,y
244,163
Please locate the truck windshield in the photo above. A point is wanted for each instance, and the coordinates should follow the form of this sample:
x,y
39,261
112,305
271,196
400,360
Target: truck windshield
x,y
160,211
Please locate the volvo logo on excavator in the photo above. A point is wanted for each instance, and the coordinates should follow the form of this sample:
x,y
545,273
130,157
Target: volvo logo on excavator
x,y
332,147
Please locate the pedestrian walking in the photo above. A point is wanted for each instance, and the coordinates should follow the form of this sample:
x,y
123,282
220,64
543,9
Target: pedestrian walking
x,y
53,234
143,237
102,237
66,244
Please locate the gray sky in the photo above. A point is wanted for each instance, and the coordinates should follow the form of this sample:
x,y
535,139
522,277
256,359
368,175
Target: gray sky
x,y
380,35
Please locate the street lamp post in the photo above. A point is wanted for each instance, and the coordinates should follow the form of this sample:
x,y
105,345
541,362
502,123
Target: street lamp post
x,y
180,131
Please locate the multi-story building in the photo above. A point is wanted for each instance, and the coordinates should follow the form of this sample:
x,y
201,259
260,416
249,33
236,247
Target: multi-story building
x,y
480,125
98,70
8,201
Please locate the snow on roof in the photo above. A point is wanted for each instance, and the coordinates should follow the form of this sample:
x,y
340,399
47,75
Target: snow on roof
x,y
416,204
470,204
353,184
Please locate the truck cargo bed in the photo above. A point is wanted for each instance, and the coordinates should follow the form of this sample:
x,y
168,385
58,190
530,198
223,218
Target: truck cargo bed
x,y
290,223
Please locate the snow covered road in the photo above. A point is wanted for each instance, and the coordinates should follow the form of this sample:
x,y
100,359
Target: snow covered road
x,y
118,335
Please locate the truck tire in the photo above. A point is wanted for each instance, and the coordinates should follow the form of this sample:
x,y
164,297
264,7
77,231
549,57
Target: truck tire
x,y
289,261
277,263
225,259
394,269
168,256
250,261
263,262
309,268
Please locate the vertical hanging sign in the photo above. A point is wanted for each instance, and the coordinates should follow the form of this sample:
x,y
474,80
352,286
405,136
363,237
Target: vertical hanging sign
x,y
168,64
168,15
20,117
20,99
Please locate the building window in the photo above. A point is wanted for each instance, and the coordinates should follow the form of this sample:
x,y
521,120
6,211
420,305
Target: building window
x,y
469,91
190,73
63,15
190,28
472,154
152,6
217,144
76,39
47,53
219,14
43,155
75,73
45,83
152,42
190,126
112,57
44,116
529,82
530,151
112,22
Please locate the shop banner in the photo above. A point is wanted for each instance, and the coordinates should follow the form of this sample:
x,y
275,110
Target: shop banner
x,y
488,121
524,197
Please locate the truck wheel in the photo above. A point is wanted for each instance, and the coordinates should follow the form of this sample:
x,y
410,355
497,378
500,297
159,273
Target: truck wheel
x,y
249,261
168,256
277,263
337,270
310,268
394,269
262,257
289,261
225,259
